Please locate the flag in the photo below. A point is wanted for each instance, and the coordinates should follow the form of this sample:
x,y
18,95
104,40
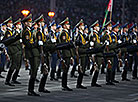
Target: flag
x,y
109,9
110,6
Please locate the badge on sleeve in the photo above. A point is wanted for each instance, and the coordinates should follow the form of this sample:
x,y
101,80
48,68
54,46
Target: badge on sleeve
x,y
64,37
27,37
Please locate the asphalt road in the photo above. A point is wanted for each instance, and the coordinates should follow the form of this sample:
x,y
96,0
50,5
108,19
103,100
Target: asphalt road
x,y
122,92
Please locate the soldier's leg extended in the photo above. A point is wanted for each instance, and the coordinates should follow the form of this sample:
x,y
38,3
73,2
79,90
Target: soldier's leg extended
x,y
19,61
12,68
81,73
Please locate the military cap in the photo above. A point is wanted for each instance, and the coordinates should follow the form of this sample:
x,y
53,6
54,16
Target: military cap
x,y
27,19
109,23
85,27
79,23
53,23
96,23
39,19
17,22
133,26
116,25
34,23
125,25
9,20
59,26
45,26
66,21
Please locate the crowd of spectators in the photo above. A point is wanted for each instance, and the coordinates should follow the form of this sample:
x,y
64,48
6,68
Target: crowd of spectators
x,y
89,10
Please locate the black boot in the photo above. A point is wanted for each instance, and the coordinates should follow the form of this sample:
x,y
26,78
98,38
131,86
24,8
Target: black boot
x,y
31,88
42,84
94,79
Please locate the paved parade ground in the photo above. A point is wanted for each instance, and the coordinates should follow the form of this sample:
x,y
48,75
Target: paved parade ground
x,y
122,92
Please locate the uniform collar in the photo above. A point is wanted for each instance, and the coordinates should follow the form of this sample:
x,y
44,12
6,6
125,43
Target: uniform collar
x,y
28,28
95,31
9,28
66,30
114,32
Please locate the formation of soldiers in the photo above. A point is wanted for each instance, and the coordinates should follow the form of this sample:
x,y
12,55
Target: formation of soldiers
x,y
111,47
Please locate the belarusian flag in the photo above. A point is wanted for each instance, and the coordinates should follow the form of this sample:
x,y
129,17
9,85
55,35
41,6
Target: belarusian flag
x,y
109,9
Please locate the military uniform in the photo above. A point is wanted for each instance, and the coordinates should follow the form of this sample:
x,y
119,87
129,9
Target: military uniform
x,y
41,40
13,51
19,54
66,54
32,54
82,47
98,60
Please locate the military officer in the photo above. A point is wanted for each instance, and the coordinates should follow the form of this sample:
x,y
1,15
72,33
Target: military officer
x,y
4,54
54,57
18,31
31,53
41,39
66,54
114,33
82,46
12,51
95,42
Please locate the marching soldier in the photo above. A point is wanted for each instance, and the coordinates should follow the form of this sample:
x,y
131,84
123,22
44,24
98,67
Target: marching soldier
x,y
82,46
66,54
18,31
4,54
54,57
31,53
114,33
134,40
41,40
108,59
13,51
95,42
125,38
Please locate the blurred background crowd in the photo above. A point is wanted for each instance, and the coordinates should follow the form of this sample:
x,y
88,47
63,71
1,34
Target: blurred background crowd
x,y
89,10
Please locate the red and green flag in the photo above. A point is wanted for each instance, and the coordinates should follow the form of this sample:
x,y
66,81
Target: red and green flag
x,y
109,9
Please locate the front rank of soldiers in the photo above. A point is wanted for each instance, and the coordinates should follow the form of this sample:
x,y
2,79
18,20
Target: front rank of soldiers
x,y
110,49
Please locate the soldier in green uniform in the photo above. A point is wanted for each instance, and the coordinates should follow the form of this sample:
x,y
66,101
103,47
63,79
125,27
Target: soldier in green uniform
x,y
66,54
31,53
13,53
82,47
94,37
41,40
108,59
18,31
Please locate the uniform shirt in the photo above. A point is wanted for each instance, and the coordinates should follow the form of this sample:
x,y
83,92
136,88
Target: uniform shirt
x,y
114,36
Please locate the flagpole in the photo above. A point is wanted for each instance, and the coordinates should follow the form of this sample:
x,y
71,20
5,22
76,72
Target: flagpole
x,y
110,15
105,18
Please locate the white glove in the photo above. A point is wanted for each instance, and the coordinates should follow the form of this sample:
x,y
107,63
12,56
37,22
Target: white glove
x,y
53,40
109,61
107,42
2,45
91,43
119,41
40,43
21,41
134,41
